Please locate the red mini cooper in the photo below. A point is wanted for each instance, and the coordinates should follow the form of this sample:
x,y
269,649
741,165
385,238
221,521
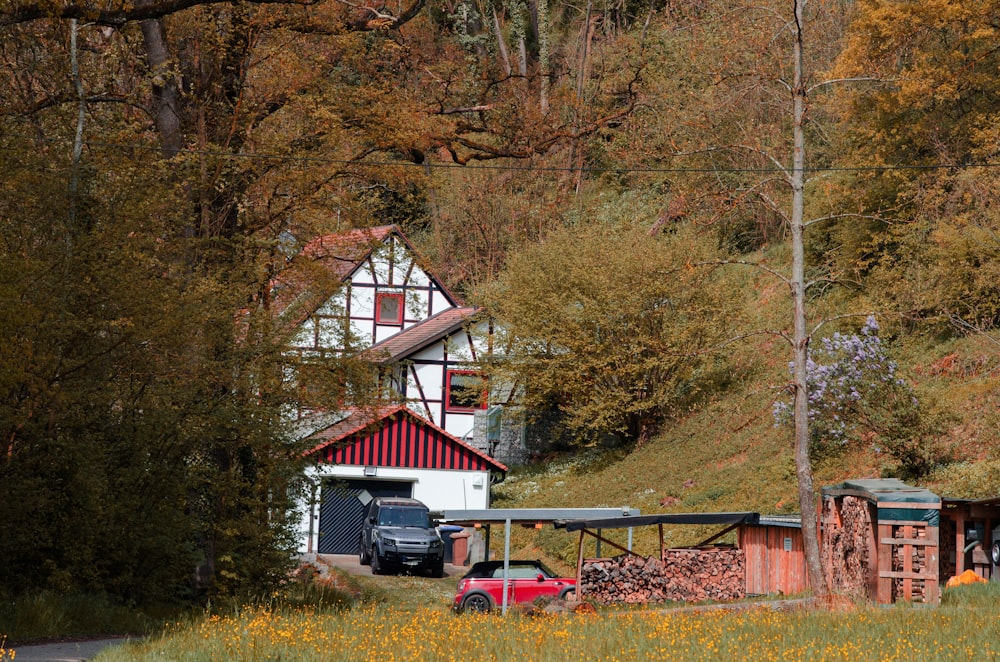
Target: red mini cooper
x,y
481,589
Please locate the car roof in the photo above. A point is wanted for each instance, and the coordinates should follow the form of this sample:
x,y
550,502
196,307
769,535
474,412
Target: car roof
x,y
399,501
494,564
484,568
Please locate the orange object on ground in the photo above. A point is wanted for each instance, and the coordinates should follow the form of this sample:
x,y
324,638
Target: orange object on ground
x,y
967,577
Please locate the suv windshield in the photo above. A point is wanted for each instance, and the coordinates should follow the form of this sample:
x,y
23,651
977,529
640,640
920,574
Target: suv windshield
x,y
396,516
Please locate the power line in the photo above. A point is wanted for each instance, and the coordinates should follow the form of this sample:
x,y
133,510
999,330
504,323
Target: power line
x,y
517,168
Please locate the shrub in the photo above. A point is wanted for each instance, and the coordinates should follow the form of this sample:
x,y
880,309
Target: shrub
x,y
857,396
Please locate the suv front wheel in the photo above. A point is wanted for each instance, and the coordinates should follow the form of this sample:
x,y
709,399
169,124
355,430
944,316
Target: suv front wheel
x,y
363,557
378,565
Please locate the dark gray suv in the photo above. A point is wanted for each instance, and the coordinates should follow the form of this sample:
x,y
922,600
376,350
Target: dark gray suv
x,y
397,533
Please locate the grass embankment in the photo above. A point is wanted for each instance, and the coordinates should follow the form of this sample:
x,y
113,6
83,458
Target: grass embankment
x,y
727,454
964,627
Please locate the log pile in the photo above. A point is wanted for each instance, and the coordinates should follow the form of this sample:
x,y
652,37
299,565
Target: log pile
x,y
684,575
848,557
917,563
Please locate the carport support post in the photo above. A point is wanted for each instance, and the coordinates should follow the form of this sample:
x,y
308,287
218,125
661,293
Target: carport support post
x,y
506,563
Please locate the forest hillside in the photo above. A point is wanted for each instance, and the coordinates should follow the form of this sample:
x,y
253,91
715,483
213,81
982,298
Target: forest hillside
x,y
621,185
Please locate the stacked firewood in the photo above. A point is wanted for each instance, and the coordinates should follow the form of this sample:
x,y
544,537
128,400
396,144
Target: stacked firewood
x,y
918,563
685,575
848,556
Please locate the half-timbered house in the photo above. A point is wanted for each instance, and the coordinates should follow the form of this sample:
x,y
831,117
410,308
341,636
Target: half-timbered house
x,y
365,293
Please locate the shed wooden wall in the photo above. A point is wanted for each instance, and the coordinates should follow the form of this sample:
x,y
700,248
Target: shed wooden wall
x,y
769,568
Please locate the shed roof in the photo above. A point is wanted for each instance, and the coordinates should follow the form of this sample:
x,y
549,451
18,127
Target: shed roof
x,y
537,515
882,490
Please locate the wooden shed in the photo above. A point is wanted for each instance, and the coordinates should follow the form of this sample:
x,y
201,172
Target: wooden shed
x,y
880,540
970,537
775,559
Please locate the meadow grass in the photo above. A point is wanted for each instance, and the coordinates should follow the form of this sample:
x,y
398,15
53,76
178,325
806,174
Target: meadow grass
x,y
965,626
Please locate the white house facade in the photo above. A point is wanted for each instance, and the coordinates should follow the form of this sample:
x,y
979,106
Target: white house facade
x,y
364,293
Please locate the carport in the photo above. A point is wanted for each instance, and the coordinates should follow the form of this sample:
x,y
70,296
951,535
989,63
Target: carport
x,y
593,527
532,518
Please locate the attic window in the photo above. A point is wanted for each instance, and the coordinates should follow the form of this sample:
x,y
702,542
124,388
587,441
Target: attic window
x,y
388,308
466,391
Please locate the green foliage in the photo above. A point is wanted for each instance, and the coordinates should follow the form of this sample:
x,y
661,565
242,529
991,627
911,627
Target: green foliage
x,y
611,327
136,441
50,614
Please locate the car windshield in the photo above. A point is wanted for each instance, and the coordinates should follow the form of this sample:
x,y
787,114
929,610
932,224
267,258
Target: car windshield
x,y
417,517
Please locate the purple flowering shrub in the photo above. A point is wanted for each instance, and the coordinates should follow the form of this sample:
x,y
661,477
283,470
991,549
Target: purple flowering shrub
x,y
857,396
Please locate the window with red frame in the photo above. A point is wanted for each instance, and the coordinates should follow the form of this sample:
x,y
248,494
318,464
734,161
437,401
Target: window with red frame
x,y
388,308
466,391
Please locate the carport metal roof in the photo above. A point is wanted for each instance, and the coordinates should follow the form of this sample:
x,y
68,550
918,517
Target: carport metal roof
x,y
667,518
537,515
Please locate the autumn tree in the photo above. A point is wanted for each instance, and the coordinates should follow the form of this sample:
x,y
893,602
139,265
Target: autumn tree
x,y
748,173
610,327
920,126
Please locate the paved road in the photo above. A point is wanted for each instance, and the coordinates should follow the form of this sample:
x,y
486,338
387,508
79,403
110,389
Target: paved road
x,y
68,651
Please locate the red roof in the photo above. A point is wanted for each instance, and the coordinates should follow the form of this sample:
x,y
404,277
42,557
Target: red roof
x,y
396,437
341,253
420,335
323,264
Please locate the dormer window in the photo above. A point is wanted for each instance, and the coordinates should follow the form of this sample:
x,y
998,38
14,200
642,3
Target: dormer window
x,y
466,391
388,308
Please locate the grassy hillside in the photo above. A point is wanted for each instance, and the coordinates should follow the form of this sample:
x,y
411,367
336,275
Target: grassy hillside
x,y
728,454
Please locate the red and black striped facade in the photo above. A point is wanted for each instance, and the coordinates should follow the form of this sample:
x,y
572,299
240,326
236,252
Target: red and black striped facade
x,y
402,439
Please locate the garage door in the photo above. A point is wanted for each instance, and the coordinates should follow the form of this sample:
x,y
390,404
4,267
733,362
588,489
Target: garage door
x,y
342,508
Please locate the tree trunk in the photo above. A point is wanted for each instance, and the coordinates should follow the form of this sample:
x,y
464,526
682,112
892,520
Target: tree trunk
x,y
501,44
165,97
803,467
542,9
74,181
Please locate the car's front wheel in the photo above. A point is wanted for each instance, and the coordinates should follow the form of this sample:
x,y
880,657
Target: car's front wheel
x,y
378,566
477,602
363,557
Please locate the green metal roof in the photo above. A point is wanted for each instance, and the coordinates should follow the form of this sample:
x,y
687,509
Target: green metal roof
x,y
882,490
888,491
